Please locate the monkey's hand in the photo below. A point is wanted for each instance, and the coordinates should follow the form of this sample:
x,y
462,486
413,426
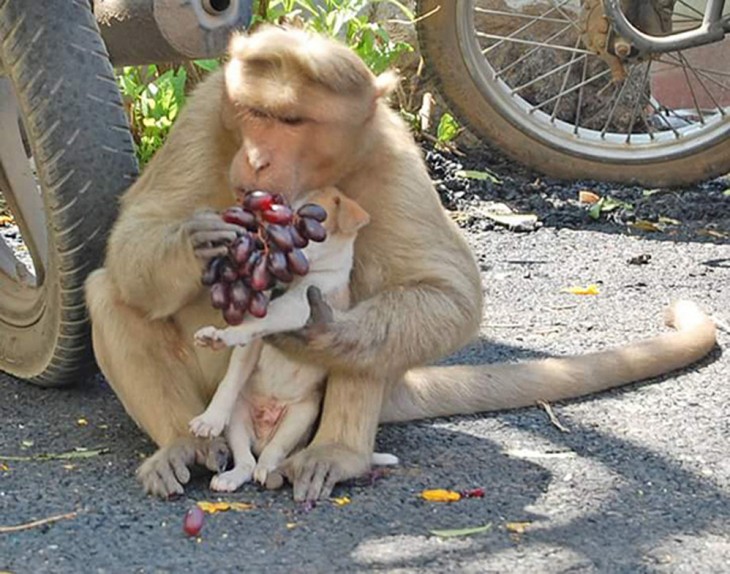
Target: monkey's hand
x,y
165,472
210,235
315,470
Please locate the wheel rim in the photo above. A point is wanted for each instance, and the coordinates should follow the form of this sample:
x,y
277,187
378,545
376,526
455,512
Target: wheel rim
x,y
24,259
526,57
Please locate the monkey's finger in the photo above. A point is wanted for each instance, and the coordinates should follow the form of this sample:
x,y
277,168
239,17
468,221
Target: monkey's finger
x,y
303,481
316,486
170,482
203,238
333,478
180,469
210,252
319,310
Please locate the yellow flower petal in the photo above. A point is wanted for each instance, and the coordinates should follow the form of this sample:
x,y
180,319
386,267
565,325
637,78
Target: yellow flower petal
x,y
517,527
591,289
341,501
440,495
241,506
213,507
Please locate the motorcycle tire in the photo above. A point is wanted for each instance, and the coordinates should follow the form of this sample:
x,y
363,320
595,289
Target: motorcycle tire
x,y
60,99
466,82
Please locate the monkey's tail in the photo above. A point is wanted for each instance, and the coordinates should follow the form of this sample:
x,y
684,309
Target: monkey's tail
x,y
450,390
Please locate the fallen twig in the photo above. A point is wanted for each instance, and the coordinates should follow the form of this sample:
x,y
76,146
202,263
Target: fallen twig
x,y
553,418
36,523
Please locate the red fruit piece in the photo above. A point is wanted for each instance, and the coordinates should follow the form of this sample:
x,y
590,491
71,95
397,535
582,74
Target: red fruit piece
x,y
233,315
212,272
312,229
280,236
280,214
247,268
278,199
278,266
193,521
258,201
297,239
258,305
242,248
298,262
228,272
260,275
473,493
219,296
313,211
240,295
239,216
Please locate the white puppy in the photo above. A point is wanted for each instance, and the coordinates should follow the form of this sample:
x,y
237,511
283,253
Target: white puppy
x,y
268,403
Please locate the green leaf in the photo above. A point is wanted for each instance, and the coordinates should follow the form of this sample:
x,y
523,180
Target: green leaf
x,y
448,128
481,175
208,65
461,531
595,211
726,192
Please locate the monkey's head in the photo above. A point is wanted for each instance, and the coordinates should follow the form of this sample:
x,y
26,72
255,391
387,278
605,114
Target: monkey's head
x,y
301,107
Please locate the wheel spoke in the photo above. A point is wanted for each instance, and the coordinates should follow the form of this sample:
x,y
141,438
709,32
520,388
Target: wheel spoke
x,y
566,77
637,101
20,188
532,51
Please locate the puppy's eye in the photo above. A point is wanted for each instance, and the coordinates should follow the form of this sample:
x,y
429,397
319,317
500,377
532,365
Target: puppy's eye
x,y
292,120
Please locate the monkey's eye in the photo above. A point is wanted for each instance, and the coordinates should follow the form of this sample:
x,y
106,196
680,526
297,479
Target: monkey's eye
x,y
253,112
292,121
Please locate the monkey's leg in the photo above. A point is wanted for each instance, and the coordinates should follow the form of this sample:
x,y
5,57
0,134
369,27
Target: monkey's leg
x,y
343,445
239,436
158,380
292,431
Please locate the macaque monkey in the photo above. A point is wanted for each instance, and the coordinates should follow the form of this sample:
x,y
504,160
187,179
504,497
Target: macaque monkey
x,y
291,111
267,402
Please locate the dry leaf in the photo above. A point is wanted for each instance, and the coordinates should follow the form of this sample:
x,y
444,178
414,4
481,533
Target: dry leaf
x,y
342,501
440,495
591,289
644,225
587,196
517,527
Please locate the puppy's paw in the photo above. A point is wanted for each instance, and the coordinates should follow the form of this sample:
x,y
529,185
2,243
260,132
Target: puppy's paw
x,y
230,480
209,337
208,425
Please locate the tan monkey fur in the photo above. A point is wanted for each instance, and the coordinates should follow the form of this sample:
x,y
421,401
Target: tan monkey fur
x,y
292,112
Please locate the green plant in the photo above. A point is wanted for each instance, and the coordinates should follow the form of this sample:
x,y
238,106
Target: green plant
x,y
347,20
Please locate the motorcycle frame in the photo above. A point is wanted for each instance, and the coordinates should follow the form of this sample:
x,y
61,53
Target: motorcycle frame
x,y
712,29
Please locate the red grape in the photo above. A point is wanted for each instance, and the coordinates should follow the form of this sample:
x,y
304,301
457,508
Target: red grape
x,y
258,305
247,268
260,274
278,199
297,239
212,272
240,216
193,521
312,211
298,262
219,296
280,214
233,315
280,236
242,248
228,271
240,294
258,201
278,266
312,229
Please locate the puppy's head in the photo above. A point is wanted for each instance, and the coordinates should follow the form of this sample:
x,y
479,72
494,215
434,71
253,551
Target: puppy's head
x,y
344,215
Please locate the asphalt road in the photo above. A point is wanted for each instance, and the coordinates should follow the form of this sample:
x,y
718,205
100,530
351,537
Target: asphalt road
x,y
640,483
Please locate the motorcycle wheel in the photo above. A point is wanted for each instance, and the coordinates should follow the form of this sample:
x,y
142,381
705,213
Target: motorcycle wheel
x,y
516,73
65,155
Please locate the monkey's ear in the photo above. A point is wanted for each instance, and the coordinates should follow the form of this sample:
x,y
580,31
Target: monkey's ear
x,y
228,113
350,216
385,83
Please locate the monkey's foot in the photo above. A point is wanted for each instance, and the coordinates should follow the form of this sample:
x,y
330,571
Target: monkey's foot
x,y
167,470
230,480
209,337
208,425
316,470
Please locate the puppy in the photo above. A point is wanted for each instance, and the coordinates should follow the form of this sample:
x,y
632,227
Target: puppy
x,y
268,403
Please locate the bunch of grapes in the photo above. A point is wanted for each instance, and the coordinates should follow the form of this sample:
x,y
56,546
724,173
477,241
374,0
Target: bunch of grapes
x,y
267,254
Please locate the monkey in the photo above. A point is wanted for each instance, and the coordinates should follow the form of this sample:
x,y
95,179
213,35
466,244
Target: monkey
x,y
290,111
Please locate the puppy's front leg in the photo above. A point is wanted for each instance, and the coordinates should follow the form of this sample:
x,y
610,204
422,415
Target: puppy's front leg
x,y
287,313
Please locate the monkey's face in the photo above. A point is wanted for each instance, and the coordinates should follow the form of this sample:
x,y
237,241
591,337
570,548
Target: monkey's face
x,y
300,106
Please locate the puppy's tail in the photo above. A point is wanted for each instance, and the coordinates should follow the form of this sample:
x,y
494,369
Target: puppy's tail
x,y
450,390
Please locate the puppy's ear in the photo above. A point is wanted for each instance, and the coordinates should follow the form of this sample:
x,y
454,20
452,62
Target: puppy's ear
x,y
386,83
350,216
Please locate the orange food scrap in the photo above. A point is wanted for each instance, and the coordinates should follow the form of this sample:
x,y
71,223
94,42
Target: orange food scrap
x,y
587,196
440,495
342,501
517,527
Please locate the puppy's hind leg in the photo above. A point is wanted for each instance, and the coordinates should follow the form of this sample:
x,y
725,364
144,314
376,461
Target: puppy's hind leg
x,y
238,435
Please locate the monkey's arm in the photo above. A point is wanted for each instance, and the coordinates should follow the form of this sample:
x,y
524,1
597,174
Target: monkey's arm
x,y
383,333
156,262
